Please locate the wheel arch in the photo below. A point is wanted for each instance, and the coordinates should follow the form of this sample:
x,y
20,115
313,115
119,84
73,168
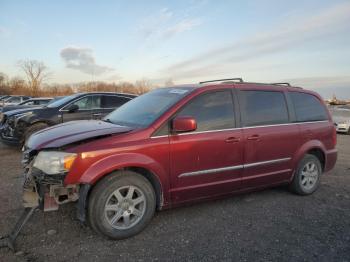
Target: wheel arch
x,y
313,147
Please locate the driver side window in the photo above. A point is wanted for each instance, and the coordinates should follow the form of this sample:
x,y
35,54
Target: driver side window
x,y
212,111
88,102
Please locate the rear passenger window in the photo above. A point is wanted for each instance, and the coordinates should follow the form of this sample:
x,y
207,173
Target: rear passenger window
x,y
212,111
263,108
113,101
308,107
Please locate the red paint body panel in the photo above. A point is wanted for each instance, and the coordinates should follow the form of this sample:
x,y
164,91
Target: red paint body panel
x,y
176,160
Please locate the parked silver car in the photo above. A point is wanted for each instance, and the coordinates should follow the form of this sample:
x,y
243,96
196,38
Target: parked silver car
x,y
341,118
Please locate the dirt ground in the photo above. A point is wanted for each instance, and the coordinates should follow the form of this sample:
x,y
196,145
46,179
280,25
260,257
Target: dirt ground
x,y
271,225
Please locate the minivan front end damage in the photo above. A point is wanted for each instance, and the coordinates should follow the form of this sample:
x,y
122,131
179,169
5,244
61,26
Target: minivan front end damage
x,y
44,175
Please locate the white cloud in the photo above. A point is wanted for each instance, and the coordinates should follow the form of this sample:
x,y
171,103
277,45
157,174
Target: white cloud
x,y
166,24
181,26
82,59
297,32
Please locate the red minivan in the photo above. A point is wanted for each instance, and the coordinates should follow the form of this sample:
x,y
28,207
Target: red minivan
x,y
180,145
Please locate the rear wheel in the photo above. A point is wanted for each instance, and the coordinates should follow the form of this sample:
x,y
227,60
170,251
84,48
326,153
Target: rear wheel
x,y
121,205
307,176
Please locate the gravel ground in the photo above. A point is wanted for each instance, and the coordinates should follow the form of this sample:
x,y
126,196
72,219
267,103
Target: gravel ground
x,y
271,225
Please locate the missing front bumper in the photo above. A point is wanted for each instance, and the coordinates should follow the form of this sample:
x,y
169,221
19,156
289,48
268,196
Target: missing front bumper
x,y
47,191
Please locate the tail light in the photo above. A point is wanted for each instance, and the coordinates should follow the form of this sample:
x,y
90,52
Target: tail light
x,y
334,136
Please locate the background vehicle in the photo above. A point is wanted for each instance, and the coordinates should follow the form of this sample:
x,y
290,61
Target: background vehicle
x,y
3,98
341,117
18,125
33,102
13,100
179,145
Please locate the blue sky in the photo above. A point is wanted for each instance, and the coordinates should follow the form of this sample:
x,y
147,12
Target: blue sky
x,y
305,42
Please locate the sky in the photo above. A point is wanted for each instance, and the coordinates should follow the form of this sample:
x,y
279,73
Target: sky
x,y
304,42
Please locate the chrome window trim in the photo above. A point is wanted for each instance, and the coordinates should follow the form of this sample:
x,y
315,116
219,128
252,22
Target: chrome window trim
x,y
246,127
228,168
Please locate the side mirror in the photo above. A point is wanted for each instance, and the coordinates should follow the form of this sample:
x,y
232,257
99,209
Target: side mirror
x,y
72,108
184,124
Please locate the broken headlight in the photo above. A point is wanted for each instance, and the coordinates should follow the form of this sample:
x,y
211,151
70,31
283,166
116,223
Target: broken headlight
x,y
54,162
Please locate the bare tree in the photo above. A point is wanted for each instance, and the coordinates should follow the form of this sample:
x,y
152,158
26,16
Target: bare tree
x,y
36,73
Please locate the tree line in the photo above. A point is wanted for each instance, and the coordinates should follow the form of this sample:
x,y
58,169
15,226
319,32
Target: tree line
x,y
37,74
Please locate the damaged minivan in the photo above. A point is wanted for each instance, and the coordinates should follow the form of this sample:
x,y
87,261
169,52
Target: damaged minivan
x,y
179,145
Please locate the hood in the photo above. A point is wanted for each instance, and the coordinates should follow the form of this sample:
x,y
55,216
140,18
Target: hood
x,y
11,108
20,111
71,132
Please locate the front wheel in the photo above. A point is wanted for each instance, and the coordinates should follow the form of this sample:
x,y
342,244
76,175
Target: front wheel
x,y
307,176
121,205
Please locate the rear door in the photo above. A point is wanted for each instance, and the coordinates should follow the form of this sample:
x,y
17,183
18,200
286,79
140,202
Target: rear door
x,y
208,161
109,103
86,104
271,139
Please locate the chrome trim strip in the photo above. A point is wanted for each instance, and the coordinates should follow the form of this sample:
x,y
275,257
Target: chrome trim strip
x,y
267,162
228,168
210,171
246,127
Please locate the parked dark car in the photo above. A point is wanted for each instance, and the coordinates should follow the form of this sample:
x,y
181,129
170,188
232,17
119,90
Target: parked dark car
x,y
18,125
13,100
179,145
3,97
33,102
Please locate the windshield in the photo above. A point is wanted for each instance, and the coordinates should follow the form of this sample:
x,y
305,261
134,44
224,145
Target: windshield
x,y
144,110
62,101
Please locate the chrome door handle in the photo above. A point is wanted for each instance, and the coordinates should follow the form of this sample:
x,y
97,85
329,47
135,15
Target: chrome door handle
x,y
232,139
253,137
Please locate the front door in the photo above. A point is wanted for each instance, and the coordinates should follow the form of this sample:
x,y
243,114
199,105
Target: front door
x,y
86,106
207,161
271,140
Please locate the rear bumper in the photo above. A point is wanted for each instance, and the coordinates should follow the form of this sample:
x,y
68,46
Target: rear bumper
x,y
331,159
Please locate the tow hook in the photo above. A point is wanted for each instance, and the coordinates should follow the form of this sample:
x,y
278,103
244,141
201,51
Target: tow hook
x,y
9,241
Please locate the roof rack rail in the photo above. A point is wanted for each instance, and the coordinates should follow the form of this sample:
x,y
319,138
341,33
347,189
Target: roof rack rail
x,y
281,84
226,79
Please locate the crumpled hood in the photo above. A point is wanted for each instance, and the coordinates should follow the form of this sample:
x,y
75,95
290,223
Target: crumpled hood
x,y
71,132
21,111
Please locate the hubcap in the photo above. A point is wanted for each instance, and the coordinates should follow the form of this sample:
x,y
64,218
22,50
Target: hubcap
x,y
125,207
309,175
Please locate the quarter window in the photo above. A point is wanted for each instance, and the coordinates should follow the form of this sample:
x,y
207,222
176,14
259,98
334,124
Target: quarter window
x,y
308,107
212,111
263,108
113,101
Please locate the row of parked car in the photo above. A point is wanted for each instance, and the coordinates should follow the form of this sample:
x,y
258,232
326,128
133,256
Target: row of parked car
x,y
18,122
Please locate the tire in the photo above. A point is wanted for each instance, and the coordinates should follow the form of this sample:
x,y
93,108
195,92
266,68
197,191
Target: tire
x,y
32,129
307,176
110,205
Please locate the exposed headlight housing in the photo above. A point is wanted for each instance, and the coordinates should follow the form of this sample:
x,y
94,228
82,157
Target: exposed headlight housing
x,y
54,162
